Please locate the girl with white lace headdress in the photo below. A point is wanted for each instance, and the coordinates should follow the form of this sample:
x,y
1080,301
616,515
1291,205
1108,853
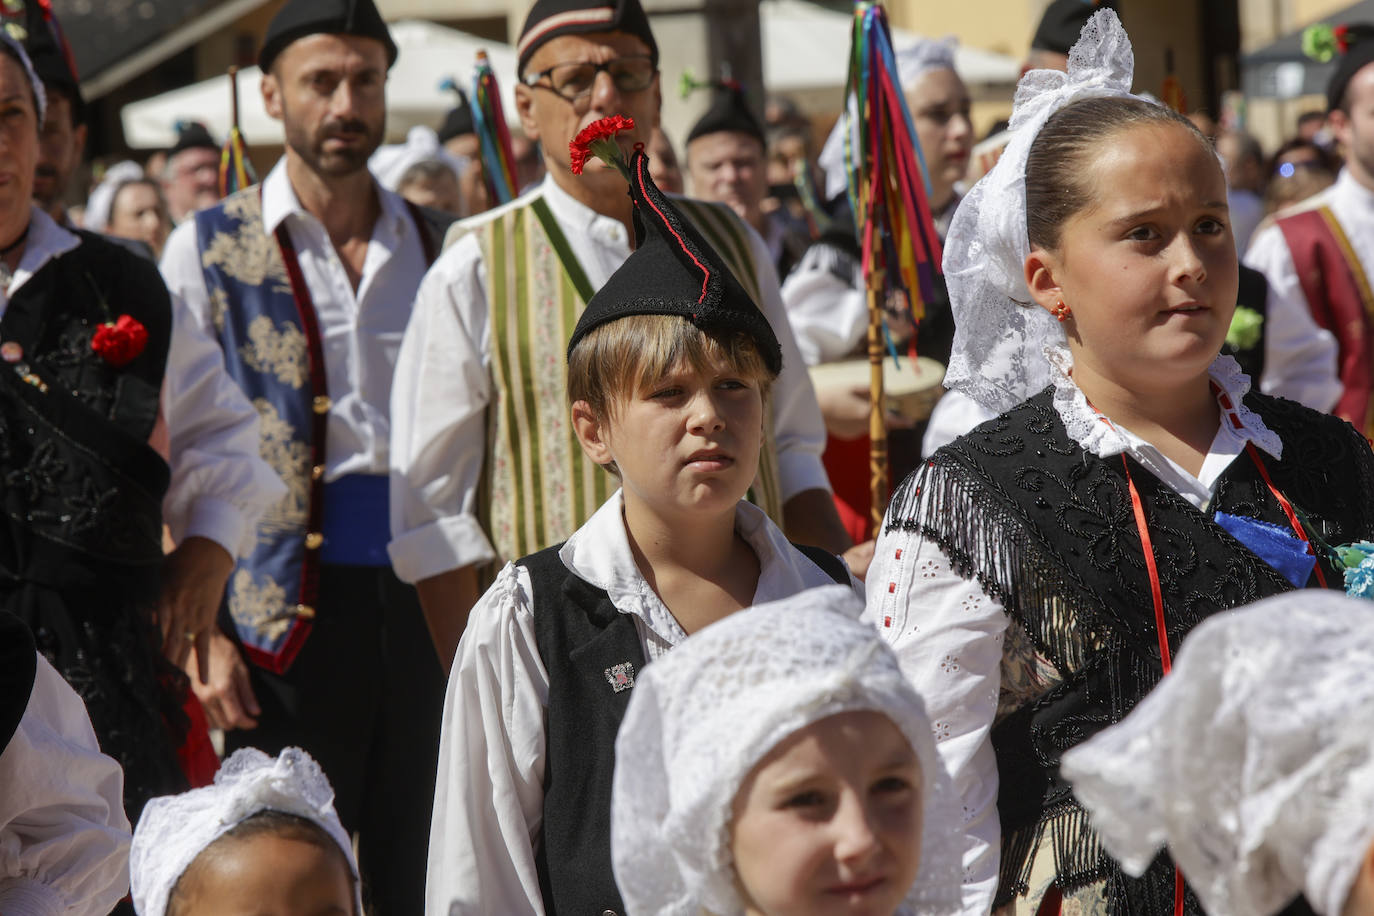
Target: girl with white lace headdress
x,y
779,762
1035,574
264,838
1253,760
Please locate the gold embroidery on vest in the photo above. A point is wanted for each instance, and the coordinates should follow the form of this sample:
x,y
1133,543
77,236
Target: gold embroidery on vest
x,y
219,305
291,460
278,352
248,254
262,607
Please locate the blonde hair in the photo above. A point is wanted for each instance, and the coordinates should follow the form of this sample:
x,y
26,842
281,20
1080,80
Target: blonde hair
x,y
619,358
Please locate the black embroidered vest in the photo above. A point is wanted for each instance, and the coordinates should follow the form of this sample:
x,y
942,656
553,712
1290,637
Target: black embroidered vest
x,y
1048,529
592,654
18,666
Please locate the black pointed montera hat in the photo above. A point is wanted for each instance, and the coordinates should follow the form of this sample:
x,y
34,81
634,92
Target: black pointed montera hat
x,y
729,111
299,18
675,271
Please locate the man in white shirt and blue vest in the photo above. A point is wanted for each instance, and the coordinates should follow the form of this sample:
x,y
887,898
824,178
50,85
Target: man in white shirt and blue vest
x,y
484,461
307,282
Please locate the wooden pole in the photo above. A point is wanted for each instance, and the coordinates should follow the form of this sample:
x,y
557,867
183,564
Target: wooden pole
x,y
877,425
233,96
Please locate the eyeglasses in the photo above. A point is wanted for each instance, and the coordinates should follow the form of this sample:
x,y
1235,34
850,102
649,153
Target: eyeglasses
x,y
574,80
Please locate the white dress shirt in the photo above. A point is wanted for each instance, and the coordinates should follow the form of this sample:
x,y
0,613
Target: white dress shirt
x,y
443,386
219,484
360,330
948,633
489,797
64,838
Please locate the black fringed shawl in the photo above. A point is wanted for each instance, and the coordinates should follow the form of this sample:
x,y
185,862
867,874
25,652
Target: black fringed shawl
x,y
1048,530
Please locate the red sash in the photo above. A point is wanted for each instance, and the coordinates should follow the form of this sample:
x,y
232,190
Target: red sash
x,y
1339,297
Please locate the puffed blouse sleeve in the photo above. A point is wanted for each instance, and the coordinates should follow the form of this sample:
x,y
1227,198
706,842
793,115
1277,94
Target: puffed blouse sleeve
x,y
64,837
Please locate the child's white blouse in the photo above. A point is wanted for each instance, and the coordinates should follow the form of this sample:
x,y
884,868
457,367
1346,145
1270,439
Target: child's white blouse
x,y
948,634
489,795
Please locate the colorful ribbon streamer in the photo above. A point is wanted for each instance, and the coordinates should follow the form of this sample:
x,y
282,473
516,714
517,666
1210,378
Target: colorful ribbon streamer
x,y
490,125
235,168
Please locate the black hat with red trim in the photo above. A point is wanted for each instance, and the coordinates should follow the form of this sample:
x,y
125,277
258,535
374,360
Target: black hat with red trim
x,y
675,271
550,18
48,51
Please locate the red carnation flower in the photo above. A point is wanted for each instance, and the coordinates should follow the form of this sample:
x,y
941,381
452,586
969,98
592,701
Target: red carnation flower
x,y
598,139
119,342
1342,35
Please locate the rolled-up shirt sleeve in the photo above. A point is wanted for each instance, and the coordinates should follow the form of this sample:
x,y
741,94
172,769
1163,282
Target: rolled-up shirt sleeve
x,y
438,421
948,636
64,838
489,795
798,427
220,485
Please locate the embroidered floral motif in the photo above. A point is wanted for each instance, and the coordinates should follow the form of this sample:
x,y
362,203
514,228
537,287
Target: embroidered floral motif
x,y
247,254
41,474
262,607
290,458
277,352
90,505
219,305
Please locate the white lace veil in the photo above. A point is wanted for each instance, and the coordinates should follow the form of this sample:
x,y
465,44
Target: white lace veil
x,y
1253,760
100,205
174,829
702,716
913,62
999,334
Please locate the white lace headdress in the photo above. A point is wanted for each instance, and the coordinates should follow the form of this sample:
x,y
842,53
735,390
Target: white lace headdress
x,y
1253,760
702,716
100,205
913,62
174,829
1000,335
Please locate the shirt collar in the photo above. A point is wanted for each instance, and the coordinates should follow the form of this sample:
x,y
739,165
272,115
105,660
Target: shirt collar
x,y
279,201
1348,189
46,241
577,217
599,554
1105,439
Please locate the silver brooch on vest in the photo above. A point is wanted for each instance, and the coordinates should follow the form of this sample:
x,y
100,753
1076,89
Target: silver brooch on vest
x,y
621,676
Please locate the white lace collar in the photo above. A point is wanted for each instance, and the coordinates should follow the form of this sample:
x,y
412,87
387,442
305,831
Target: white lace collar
x,y
1086,426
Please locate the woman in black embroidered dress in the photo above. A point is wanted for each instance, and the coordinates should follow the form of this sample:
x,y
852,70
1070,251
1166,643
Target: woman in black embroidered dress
x,y
84,331
1036,575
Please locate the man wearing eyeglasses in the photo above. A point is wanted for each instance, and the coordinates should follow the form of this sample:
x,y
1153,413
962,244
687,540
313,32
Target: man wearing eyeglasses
x,y
479,405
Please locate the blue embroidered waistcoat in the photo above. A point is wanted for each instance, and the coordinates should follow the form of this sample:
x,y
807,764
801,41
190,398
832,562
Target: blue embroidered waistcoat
x,y
272,350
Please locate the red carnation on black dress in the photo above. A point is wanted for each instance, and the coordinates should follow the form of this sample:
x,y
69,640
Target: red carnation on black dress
x,y
598,139
119,342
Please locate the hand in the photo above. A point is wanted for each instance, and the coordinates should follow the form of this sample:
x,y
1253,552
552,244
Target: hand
x,y
859,557
846,408
194,576
226,694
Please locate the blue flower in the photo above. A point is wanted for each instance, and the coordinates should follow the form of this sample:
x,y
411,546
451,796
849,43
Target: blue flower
x,y
1359,581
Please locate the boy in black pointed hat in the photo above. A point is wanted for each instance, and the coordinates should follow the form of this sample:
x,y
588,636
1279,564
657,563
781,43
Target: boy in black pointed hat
x,y
726,163
669,369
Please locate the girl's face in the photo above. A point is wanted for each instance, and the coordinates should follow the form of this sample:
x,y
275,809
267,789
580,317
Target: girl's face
x,y
1148,266
270,875
830,820
939,105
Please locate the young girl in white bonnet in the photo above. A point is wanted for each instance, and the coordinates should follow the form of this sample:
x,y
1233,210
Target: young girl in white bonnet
x,y
1253,760
265,838
779,762
1036,574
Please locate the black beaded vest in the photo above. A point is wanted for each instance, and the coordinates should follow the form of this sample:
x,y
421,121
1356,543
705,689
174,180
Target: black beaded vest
x,y
1048,529
592,654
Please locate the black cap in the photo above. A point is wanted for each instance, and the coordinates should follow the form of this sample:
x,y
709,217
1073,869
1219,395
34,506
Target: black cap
x,y
51,60
192,135
675,271
300,18
1063,23
458,121
550,18
1358,41
729,111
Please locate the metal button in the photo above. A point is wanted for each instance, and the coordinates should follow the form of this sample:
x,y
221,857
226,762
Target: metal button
x,y
321,404
306,611
313,540
608,913
317,472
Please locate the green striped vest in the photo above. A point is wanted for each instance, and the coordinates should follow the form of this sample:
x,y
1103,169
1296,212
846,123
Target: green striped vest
x,y
537,485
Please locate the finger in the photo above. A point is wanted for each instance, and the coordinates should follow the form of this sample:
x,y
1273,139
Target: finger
x,y
244,688
234,715
178,647
214,714
202,645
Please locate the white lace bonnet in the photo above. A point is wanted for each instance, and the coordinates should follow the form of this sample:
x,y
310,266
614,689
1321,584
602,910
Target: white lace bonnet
x,y
389,163
999,335
913,62
702,716
100,205
175,829
1253,760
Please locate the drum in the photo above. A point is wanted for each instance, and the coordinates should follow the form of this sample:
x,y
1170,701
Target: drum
x,y
910,388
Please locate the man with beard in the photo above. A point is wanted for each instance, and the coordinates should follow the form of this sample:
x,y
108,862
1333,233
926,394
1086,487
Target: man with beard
x,y
62,140
307,282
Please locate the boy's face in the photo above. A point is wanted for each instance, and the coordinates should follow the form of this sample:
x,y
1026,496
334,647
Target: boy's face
x,y
685,443
829,822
